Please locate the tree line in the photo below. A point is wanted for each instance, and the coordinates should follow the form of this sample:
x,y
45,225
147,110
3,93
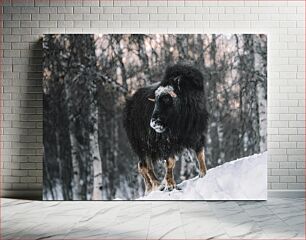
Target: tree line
x,y
86,79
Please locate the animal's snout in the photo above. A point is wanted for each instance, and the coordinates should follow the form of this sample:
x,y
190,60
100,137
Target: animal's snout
x,y
157,125
157,121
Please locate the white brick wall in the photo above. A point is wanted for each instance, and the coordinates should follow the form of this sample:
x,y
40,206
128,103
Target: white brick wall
x,y
24,21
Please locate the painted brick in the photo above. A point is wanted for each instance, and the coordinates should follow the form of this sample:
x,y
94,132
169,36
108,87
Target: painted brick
x,y
113,9
189,17
11,9
280,172
209,17
202,10
41,3
287,165
38,31
279,186
244,10
217,10
149,24
40,16
73,3
105,16
159,17
64,10
221,24
118,17
81,9
185,9
29,24
296,185
147,9
57,17
94,16
268,10
297,172
273,179
139,3
166,10
139,17
157,3
287,179
65,24
300,179
21,16
82,24
114,24
21,31
48,10
75,16
129,10
96,9
91,3
129,24
102,24
287,9
19,173
172,17
231,17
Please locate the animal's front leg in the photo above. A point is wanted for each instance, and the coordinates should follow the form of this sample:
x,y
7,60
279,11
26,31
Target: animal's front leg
x,y
153,179
169,182
201,161
143,170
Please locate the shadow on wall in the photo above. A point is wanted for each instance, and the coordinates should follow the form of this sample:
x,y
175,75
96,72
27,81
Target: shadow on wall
x,y
30,153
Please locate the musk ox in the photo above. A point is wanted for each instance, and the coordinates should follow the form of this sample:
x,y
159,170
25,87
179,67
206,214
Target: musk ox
x,y
163,119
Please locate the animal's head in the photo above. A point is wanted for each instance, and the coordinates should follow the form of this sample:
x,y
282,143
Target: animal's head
x,y
166,103
170,97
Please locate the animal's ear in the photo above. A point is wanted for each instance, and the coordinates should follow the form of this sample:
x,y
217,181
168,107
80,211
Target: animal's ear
x,y
151,99
177,81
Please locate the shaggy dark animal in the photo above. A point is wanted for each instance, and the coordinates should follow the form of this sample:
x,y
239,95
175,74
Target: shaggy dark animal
x,y
163,119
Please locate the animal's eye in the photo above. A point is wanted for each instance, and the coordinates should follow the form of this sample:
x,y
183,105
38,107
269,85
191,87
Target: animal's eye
x,y
166,99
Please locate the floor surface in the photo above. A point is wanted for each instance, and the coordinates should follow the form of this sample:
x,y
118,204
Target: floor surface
x,y
273,219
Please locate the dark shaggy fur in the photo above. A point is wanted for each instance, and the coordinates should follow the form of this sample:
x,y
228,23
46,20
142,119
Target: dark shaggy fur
x,y
184,118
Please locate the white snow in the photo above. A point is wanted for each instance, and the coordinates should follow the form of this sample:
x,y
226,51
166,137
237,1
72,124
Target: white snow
x,y
241,179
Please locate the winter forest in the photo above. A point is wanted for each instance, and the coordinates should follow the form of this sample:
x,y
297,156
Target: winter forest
x,y
86,79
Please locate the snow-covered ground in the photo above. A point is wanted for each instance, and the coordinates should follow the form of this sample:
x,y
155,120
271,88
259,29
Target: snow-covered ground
x,y
241,179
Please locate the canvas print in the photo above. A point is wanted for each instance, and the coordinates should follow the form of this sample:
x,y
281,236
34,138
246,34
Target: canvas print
x,y
155,116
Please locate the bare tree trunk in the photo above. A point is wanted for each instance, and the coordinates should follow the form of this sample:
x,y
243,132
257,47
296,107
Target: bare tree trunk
x,y
95,153
261,70
182,45
58,160
48,180
76,183
215,115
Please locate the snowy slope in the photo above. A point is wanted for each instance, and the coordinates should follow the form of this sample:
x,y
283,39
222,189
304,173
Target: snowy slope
x,y
242,179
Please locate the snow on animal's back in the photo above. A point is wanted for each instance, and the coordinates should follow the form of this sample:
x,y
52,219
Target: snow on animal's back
x,y
241,179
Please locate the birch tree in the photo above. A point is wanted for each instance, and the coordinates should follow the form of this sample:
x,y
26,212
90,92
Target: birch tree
x,y
94,151
260,52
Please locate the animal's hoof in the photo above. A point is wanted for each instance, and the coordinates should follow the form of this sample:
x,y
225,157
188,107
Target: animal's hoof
x,y
167,188
148,190
202,174
170,188
156,187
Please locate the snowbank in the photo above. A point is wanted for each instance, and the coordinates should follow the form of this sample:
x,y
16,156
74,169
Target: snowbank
x,y
242,179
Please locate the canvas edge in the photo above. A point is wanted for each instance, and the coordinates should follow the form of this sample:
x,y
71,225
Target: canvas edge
x,y
37,194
